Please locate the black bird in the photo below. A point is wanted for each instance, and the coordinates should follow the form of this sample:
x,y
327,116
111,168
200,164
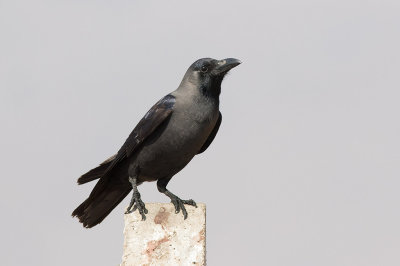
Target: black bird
x,y
173,131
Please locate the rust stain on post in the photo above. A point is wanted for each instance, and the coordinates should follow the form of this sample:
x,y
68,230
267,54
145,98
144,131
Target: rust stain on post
x,y
161,217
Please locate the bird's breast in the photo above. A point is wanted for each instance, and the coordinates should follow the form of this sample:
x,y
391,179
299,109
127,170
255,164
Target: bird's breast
x,y
174,145
181,139
192,126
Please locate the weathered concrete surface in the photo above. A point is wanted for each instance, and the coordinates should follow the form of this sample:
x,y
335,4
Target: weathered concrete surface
x,y
165,238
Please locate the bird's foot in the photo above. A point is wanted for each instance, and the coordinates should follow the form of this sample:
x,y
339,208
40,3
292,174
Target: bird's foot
x,y
137,203
180,204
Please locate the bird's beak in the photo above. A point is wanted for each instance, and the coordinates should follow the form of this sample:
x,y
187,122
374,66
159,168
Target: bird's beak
x,y
225,65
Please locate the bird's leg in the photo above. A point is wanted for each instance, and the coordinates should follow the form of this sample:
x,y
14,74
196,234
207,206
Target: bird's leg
x,y
136,201
178,203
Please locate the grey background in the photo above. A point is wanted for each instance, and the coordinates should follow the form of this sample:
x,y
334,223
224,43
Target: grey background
x,y
305,168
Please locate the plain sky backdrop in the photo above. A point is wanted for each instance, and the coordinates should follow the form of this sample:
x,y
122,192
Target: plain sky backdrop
x,y
305,169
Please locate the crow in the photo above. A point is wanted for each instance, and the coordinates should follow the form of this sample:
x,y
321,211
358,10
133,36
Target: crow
x,y
179,126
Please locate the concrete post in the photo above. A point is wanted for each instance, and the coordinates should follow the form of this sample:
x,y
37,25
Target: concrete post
x,y
165,238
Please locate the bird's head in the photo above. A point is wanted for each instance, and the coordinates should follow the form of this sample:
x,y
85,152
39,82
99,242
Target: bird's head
x,y
207,74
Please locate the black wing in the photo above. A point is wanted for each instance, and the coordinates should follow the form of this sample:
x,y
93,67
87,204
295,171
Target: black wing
x,y
152,119
212,134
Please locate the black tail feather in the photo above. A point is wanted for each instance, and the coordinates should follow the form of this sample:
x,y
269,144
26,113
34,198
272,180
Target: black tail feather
x,y
109,191
94,209
97,172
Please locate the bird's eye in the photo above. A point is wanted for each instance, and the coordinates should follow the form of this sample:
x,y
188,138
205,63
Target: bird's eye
x,y
204,69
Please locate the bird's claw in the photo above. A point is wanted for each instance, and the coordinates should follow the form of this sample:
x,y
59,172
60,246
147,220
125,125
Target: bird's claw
x,y
137,203
180,205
